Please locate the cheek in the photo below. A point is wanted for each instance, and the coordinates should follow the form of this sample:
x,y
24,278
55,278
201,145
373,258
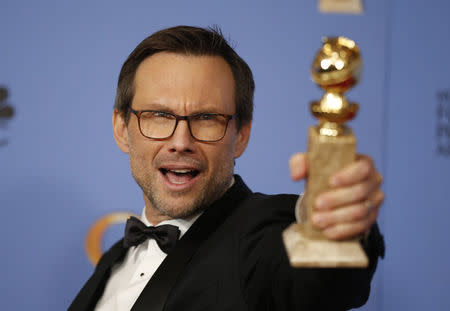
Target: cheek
x,y
138,161
221,156
142,153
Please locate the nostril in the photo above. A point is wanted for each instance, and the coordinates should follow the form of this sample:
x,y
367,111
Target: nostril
x,y
179,150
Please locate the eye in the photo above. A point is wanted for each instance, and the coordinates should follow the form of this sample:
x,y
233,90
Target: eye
x,y
158,115
206,116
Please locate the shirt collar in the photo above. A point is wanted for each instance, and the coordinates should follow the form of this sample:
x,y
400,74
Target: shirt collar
x,y
182,223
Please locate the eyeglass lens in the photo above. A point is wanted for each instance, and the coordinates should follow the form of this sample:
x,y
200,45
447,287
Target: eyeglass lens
x,y
205,127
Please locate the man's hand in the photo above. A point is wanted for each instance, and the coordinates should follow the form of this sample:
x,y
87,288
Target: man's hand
x,y
351,206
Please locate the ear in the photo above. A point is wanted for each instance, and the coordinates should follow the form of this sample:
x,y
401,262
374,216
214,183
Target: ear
x,y
120,131
243,136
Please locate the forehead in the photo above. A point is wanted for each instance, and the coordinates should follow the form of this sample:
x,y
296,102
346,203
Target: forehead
x,y
184,83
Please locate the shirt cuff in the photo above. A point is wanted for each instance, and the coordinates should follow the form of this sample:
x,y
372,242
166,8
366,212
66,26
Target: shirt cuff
x,y
300,210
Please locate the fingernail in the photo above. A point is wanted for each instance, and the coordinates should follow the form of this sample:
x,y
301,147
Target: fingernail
x,y
334,181
320,203
318,220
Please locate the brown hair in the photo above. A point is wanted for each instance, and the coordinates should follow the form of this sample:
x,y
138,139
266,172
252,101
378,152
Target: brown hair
x,y
189,41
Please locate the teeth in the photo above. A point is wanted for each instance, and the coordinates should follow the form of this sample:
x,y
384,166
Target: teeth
x,y
181,171
178,182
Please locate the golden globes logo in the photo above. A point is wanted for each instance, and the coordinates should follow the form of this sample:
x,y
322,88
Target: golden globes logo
x,y
6,112
94,237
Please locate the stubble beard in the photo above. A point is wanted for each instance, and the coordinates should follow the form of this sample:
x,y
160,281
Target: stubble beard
x,y
212,189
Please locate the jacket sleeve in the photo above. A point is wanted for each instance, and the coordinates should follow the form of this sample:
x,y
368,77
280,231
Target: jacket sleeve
x,y
270,283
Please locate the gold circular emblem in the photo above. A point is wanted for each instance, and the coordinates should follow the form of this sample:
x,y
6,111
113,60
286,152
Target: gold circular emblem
x,y
94,237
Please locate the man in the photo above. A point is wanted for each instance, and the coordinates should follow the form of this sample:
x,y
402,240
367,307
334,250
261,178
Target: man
x,y
183,114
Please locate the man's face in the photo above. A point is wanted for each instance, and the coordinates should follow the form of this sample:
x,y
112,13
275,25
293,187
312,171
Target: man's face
x,y
180,175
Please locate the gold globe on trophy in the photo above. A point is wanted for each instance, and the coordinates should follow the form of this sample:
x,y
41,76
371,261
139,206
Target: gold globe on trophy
x,y
331,146
336,69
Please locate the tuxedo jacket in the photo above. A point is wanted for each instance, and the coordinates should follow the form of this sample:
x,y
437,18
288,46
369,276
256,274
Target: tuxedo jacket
x,y
233,258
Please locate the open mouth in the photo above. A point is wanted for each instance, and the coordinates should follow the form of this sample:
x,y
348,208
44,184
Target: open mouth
x,y
179,176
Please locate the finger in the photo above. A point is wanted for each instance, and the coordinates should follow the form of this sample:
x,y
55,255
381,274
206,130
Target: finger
x,y
353,173
346,214
298,166
347,195
376,199
350,230
352,221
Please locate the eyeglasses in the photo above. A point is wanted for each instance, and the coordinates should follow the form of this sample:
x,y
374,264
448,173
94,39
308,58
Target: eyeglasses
x,y
206,127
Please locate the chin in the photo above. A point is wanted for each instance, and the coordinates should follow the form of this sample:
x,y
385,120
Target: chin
x,y
180,210
186,200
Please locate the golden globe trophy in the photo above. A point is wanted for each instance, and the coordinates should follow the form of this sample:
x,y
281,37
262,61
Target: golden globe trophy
x,y
331,146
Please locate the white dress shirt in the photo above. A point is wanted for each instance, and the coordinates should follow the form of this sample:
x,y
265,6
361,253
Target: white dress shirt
x,y
129,278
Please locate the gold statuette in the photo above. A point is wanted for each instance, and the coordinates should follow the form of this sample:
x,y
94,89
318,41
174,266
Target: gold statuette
x,y
331,146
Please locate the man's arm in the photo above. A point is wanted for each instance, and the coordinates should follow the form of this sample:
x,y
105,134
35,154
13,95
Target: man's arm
x,y
268,280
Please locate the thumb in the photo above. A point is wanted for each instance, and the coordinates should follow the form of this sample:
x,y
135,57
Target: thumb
x,y
298,166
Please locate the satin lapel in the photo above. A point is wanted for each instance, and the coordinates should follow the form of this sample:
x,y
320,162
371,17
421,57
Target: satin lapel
x,y
155,293
91,292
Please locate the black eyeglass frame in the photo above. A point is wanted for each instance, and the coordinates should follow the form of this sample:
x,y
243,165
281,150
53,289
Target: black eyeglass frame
x,y
228,117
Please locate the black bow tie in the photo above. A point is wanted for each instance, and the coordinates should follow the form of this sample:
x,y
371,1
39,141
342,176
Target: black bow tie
x,y
137,232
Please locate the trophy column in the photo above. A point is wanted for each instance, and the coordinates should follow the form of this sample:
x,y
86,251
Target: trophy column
x,y
331,146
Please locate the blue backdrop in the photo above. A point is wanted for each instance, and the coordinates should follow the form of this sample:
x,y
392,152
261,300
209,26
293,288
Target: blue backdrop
x,y
61,171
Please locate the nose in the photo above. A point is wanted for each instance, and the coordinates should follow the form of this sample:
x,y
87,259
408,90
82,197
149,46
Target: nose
x,y
181,140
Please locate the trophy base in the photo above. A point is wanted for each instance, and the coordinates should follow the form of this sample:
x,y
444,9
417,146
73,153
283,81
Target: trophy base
x,y
304,251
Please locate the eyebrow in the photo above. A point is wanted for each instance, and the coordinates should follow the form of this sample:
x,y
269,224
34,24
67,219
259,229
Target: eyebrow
x,y
156,106
164,108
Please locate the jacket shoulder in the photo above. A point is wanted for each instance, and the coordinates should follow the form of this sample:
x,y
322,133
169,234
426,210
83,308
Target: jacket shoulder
x,y
259,208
